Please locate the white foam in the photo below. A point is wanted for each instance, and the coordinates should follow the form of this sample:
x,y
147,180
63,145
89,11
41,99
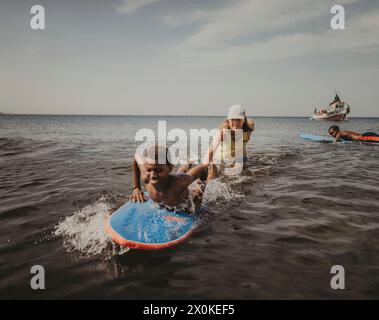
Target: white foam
x,y
84,231
217,190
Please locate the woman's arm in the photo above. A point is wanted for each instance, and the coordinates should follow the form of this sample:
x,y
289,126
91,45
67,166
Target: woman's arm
x,y
212,148
250,124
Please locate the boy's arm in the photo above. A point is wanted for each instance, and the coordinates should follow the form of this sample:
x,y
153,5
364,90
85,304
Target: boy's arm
x,y
338,137
198,172
137,195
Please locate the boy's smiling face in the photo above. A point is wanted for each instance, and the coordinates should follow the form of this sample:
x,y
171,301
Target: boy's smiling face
x,y
157,172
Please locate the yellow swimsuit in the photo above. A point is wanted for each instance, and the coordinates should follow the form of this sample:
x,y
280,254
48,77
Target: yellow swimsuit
x,y
228,148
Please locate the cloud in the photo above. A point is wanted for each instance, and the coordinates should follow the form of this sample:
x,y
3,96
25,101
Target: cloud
x,y
251,17
190,17
130,6
267,29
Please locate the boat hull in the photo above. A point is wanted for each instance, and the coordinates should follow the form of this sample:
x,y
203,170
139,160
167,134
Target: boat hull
x,y
336,117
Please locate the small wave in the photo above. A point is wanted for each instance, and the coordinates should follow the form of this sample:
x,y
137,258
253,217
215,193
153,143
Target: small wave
x,y
226,189
84,231
270,158
18,145
296,240
17,211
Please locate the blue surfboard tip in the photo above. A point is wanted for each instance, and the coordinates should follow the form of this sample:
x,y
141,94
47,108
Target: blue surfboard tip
x,y
147,226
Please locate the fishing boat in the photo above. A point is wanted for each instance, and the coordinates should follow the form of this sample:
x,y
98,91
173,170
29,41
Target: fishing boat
x,y
337,111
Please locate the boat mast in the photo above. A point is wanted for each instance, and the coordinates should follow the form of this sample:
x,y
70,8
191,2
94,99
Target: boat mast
x,y
336,93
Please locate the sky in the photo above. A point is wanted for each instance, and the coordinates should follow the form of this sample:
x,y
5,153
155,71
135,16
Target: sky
x,y
187,57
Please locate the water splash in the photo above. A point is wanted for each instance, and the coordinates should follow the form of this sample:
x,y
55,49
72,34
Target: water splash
x,y
218,190
84,231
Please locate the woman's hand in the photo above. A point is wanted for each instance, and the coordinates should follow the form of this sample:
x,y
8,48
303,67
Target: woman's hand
x,y
138,195
212,171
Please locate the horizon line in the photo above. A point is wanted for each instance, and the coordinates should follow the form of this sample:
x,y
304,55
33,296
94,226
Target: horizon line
x,y
152,115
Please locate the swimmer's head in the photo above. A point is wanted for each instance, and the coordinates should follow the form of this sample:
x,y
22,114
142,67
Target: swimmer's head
x,y
237,120
157,163
236,117
157,154
333,130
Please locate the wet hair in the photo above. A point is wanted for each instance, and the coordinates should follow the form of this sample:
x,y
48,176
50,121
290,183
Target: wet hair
x,y
158,152
335,128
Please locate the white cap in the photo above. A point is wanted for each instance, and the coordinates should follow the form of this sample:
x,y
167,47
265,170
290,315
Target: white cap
x,y
236,112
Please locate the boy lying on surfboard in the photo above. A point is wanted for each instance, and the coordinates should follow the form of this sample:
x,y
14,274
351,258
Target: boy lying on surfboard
x,y
163,187
339,135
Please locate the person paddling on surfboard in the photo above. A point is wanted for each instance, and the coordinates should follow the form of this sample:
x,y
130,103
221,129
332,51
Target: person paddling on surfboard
x,y
339,135
163,187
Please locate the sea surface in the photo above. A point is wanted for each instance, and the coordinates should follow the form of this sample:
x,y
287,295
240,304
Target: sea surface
x,y
272,233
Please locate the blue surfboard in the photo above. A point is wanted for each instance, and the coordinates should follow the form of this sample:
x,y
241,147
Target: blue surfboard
x,y
317,138
148,226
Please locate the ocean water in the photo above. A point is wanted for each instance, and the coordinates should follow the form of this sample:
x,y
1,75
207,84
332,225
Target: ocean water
x,y
272,233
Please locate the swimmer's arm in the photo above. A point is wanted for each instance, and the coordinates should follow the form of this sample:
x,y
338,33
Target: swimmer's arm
x,y
136,175
338,137
137,195
198,172
250,124
212,148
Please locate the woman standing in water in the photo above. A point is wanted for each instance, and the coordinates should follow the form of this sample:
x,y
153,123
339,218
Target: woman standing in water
x,y
230,142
